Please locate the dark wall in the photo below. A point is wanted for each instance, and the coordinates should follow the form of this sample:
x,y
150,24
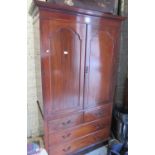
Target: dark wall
x,y
123,56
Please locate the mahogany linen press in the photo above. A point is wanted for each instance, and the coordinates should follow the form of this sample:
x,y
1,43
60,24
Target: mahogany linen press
x,y
76,54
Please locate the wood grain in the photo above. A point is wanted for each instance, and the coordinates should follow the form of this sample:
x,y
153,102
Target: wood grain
x,y
93,114
79,57
66,122
69,148
78,131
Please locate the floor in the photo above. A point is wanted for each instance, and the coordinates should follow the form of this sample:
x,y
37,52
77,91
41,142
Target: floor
x,y
99,151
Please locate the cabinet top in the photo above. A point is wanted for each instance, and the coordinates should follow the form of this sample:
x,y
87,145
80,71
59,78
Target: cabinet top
x,y
70,9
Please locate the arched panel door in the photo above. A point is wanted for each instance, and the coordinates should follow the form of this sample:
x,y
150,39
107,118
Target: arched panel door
x,y
99,66
64,67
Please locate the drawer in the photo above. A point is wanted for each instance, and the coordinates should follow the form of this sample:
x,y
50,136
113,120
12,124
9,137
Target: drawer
x,y
73,146
93,114
79,131
66,122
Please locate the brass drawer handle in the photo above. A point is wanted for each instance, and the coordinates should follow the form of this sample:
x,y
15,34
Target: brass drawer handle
x,y
66,136
99,126
66,123
100,113
67,149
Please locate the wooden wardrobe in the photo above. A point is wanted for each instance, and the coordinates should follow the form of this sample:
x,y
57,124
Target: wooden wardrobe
x,y
76,53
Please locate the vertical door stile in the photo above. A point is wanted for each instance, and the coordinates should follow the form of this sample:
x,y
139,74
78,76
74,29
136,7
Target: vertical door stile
x,y
85,66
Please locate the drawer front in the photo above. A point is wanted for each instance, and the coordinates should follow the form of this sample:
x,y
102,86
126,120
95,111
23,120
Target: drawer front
x,y
77,132
94,114
66,122
70,147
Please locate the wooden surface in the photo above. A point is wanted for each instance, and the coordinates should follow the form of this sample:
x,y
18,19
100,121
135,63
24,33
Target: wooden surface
x,y
99,60
63,65
60,136
97,113
66,122
78,55
72,146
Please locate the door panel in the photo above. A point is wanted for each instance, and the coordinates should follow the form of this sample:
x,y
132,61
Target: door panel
x,y
99,61
64,65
